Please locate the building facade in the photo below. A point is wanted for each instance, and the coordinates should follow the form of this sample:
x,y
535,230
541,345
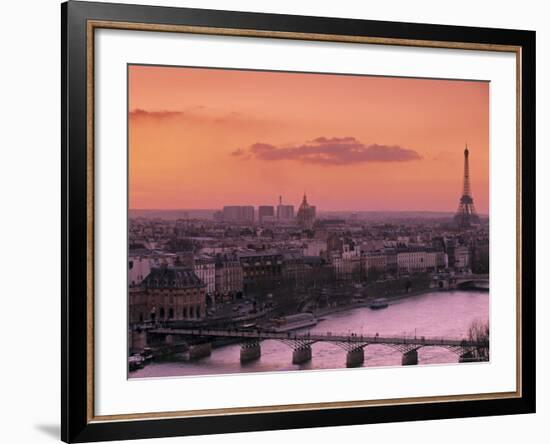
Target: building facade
x,y
168,293
462,258
285,213
411,261
205,269
293,267
260,268
138,269
238,213
351,261
229,275
373,261
315,247
266,213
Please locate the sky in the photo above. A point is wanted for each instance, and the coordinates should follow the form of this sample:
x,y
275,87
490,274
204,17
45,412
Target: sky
x,y
203,138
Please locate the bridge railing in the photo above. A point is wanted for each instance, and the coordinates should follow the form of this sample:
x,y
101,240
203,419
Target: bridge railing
x,y
324,337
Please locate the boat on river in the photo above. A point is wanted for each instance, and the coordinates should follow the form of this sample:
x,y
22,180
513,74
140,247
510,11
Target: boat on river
x,y
294,322
136,361
379,303
147,354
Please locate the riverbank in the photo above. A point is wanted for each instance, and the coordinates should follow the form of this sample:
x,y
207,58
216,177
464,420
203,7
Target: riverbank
x,y
430,313
319,313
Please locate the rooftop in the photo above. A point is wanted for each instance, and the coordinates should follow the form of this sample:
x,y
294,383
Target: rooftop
x,y
172,277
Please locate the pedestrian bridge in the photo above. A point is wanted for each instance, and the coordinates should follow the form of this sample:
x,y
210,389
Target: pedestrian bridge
x,y
200,341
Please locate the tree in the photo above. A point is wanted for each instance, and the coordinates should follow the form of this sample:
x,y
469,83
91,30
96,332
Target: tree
x,y
479,332
373,274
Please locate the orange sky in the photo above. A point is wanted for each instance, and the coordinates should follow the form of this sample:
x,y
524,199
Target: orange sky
x,y
204,138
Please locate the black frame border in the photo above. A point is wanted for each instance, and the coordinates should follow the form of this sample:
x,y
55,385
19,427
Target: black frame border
x,y
75,424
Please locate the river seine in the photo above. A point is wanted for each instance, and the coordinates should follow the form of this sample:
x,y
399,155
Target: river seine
x,y
436,314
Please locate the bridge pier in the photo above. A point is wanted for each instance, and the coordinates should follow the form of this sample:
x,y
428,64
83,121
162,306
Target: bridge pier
x,y
197,351
301,354
250,351
355,357
410,358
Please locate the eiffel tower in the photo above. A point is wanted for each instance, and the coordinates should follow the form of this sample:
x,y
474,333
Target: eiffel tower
x,y
466,214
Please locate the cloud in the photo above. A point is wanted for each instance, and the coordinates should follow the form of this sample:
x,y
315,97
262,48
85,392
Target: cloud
x,y
202,115
196,113
330,151
238,152
163,114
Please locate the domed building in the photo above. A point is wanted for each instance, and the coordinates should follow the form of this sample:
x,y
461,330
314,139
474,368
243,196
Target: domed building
x,y
306,214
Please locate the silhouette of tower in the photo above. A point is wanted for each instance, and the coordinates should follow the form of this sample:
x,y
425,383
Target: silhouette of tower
x,y
466,214
306,214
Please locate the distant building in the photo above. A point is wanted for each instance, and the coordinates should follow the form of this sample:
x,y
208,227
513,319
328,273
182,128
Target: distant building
x,y
450,245
205,268
269,219
315,247
306,214
138,268
462,258
391,260
331,223
337,264
266,213
260,268
248,213
293,266
411,260
334,242
420,259
141,261
351,261
436,260
229,275
238,213
285,213
168,293
373,261
480,256
185,259
372,245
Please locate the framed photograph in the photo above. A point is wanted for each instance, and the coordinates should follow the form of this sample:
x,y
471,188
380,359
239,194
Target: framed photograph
x,y
275,221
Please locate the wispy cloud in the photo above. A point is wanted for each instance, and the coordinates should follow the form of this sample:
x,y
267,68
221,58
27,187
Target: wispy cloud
x,y
330,151
238,152
192,113
159,114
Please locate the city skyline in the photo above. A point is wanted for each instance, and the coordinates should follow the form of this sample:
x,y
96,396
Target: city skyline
x,y
295,203
205,138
